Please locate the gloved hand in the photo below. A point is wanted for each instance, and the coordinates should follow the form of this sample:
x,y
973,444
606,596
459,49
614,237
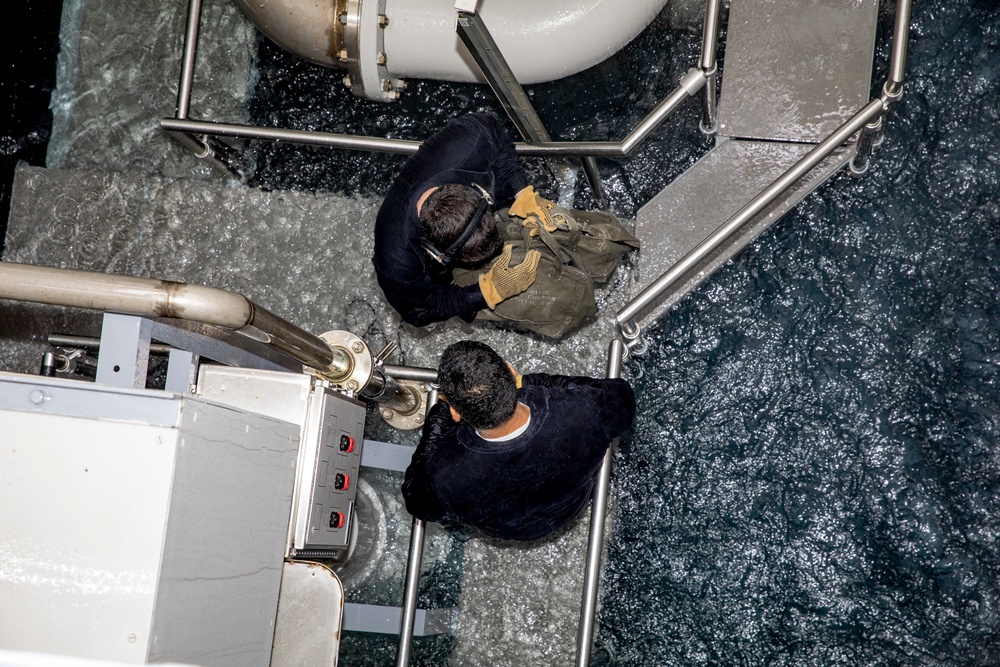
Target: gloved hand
x,y
503,281
533,209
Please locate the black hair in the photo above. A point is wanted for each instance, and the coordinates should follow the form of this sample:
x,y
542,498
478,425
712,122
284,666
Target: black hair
x,y
478,383
446,213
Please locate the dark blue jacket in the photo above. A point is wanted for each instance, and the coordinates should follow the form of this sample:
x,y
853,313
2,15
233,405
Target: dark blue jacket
x,y
529,486
470,149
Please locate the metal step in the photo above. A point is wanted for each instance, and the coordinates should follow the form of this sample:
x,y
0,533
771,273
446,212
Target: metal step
x,y
709,193
795,70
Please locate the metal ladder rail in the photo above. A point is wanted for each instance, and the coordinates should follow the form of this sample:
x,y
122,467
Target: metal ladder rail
x,y
868,120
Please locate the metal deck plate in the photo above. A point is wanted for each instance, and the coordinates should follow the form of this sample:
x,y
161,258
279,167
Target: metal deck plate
x,y
706,196
794,70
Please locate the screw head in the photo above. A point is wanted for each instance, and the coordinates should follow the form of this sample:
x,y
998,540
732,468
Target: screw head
x,y
343,55
352,385
358,346
383,20
380,59
347,81
387,415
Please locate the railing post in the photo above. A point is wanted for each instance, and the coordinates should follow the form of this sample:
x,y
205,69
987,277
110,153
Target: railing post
x,y
595,543
871,136
709,65
412,580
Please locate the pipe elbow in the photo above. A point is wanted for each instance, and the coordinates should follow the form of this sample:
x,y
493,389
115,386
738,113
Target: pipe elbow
x,y
417,38
209,305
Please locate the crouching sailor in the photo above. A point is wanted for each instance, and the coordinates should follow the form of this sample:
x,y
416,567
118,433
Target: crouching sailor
x,y
438,216
516,458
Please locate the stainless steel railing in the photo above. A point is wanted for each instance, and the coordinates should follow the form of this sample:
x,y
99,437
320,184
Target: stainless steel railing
x,y
595,541
202,136
868,118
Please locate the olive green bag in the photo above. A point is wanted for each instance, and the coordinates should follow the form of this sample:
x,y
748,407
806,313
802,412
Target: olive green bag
x,y
587,247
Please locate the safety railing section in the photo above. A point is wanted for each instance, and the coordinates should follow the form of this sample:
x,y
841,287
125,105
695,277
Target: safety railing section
x,y
414,557
203,137
595,542
868,121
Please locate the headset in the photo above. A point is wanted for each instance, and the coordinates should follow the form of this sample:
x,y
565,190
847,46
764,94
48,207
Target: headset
x,y
447,258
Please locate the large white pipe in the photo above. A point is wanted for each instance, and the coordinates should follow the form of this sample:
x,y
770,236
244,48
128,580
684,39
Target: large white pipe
x,y
541,41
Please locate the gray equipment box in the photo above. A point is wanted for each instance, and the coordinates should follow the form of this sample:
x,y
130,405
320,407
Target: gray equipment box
x,y
331,436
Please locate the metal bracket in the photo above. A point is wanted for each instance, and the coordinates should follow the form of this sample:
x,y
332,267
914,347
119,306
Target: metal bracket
x,y
124,351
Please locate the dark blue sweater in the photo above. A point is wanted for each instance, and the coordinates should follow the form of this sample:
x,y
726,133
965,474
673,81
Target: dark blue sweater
x,y
470,149
529,486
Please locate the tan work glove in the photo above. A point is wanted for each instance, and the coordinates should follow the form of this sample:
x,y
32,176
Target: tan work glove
x,y
503,281
533,209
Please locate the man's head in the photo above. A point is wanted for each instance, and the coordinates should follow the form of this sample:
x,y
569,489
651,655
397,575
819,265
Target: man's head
x,y
446,213
478,384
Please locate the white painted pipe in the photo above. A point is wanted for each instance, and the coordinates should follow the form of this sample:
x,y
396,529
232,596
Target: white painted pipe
x,y
541,41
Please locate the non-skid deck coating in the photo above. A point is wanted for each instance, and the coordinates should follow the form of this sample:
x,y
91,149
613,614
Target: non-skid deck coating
x,y
795,69
703,198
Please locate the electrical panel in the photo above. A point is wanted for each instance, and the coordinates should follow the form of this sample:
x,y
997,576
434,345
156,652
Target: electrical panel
x,y
329,458
339,422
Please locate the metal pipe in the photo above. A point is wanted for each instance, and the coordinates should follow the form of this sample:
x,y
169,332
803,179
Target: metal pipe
x,y
708,105
89,342
690,84
412,580
900,37
596,185
328,139
410,592
710,35
411,373
745,214
709,66
595,543
187,61
147,297
870,136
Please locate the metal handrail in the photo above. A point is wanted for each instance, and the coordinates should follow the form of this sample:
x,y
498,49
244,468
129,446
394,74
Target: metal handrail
x,y
147,297
194,134
652,291
595,542
875,109
690,84
411,583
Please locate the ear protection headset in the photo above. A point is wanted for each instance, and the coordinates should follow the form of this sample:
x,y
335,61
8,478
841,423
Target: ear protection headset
x,y
447,258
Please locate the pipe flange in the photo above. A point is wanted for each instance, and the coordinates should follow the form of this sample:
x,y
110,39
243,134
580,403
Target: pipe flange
x,y
362,364
408,412
364,23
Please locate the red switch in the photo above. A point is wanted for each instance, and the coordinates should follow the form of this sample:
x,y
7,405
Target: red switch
x,y
336,519
341,481
346,443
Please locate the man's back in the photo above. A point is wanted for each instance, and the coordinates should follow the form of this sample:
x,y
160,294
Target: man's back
x,y
528,486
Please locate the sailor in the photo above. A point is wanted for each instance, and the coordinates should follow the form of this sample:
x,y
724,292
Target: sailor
x,y
515,457
438,214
